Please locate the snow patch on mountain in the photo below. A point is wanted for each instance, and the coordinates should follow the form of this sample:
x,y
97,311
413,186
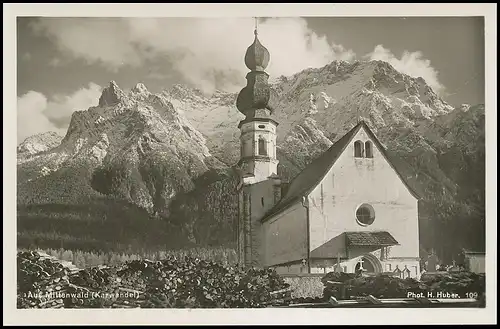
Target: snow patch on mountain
x,y
39,143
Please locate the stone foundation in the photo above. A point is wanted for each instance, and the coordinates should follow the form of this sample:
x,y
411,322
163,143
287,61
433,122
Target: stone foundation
x,y
305,285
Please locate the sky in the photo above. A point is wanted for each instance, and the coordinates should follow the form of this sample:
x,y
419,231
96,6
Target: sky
x,y
63,63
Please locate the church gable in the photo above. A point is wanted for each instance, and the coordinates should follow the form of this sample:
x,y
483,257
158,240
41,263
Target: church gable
x,y
366,150
364,162
359,141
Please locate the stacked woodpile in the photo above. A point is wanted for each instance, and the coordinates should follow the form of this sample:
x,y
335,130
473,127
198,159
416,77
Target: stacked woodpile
x,y
45,283
41,280
462,283
445,284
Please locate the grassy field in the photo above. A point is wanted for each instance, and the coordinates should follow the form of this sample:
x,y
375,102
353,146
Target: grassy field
x,y
83,259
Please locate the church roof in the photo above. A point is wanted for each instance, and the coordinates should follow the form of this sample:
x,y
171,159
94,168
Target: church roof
x,y
309,178
381,238
337,246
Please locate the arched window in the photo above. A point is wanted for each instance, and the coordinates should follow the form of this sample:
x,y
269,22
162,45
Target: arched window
x,y
262,146
368,150
358,149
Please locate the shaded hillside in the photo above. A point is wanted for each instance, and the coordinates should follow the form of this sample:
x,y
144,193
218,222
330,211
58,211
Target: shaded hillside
x,y
101,224
208,213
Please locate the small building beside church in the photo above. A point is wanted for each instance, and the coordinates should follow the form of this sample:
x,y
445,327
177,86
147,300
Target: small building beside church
x,y
475,261
348,210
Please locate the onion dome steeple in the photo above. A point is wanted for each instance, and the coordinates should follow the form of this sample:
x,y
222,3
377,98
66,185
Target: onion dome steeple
x,y
254,98
257,56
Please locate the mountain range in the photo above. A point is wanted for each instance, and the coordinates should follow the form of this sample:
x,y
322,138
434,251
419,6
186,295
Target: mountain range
x,y
171,155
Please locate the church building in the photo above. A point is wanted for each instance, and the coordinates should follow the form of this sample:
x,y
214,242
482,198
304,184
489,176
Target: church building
x,y
349,210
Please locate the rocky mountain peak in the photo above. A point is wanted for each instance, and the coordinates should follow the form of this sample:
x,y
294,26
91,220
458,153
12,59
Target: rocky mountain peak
x,y
180,91
132,116
111,95
136,133
140,88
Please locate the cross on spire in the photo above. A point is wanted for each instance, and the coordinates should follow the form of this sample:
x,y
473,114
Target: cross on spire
x,y
256,25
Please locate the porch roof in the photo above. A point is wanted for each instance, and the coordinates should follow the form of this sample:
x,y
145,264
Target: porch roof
x,y
381,238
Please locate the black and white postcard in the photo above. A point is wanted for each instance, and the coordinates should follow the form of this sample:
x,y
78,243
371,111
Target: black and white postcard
x,y
272,158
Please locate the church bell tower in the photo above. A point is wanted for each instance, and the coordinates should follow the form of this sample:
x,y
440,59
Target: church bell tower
x,y
259,187
258,130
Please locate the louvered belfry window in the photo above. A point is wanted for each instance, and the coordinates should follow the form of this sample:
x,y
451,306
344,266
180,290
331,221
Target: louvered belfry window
x,y
368,150
358,149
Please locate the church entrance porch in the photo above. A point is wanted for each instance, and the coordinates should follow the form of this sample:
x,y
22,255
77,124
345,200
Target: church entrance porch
x,y
359,252
364,252
366,263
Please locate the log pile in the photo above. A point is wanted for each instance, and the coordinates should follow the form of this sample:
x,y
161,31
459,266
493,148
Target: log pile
x,y
46,282
453,284
41,280
169,283
461,283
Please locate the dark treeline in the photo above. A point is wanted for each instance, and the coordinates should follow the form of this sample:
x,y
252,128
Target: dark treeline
x,y
106,226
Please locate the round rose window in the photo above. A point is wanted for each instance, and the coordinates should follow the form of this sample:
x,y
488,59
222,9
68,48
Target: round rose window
x,y
365,215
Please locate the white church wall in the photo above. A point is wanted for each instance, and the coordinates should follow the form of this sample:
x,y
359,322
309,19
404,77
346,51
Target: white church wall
x,y
261,201
285,236
354,181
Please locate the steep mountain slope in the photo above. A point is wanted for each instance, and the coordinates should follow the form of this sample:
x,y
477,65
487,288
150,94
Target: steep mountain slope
x,y
171,153
215,116
134,146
